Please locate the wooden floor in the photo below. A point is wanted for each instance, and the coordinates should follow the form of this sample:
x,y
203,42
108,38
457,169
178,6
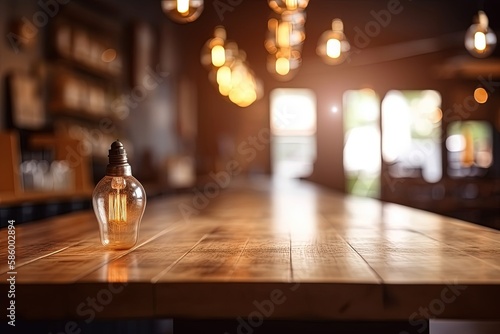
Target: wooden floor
x,y
286,250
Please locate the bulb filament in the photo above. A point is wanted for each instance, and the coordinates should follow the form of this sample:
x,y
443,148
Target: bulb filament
x,y
117,207
183,7
117,216
480,41
333,48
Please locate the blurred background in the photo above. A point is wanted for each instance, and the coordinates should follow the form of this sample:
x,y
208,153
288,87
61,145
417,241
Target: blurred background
x,y
396,100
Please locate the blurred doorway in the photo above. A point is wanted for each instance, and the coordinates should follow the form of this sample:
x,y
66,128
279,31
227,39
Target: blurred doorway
x,y
293,132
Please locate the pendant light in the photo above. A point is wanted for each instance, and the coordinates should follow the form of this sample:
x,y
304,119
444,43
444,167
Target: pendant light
x,y
280,6
480,40
229,70
182,11
333,46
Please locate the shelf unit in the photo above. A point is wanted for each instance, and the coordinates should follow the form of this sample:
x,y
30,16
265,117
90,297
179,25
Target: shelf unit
x,y
86,79
82,74
22,205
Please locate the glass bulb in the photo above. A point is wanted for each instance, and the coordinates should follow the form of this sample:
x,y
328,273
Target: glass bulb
x,y
284,64
183,7
216,51
182,11
218,55
280,6
285,32
480,40
333,46
224,76
291,4
119,201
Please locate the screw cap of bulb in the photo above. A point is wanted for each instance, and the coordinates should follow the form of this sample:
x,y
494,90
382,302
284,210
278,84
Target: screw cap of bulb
x,y
118,164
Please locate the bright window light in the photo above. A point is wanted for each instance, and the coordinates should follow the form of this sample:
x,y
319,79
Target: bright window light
x,y
293,129
362,163
411,134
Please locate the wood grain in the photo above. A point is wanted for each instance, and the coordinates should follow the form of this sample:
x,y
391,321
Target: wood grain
x,y
326,255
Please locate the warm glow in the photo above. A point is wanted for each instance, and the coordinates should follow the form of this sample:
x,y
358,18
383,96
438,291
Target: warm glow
x,y
480,41
182,11
224,76
237,83
333,48
282,66
224,90
108,55
283,34
291,4
243,96
183,6
438,115
282,6
480,95
333,45
237,75
467,158
218,55
117,203
272,24
230,70
117,208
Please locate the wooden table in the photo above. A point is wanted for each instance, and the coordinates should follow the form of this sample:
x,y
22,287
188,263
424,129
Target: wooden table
x,y
262,250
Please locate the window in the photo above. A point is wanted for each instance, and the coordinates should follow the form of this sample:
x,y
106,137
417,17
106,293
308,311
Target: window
x,y
469,146
362,142
411,134
293,129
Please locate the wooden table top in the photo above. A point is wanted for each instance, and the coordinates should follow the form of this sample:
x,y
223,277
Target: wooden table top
x,y
312,253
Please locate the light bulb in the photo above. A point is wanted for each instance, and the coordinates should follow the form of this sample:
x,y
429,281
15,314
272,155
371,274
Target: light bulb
x,y
183,7
280,6
291,4
216,51
480,40
283,34
218,55
282,66
224,76
119,201
480,95
333,46
182,11
229,70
